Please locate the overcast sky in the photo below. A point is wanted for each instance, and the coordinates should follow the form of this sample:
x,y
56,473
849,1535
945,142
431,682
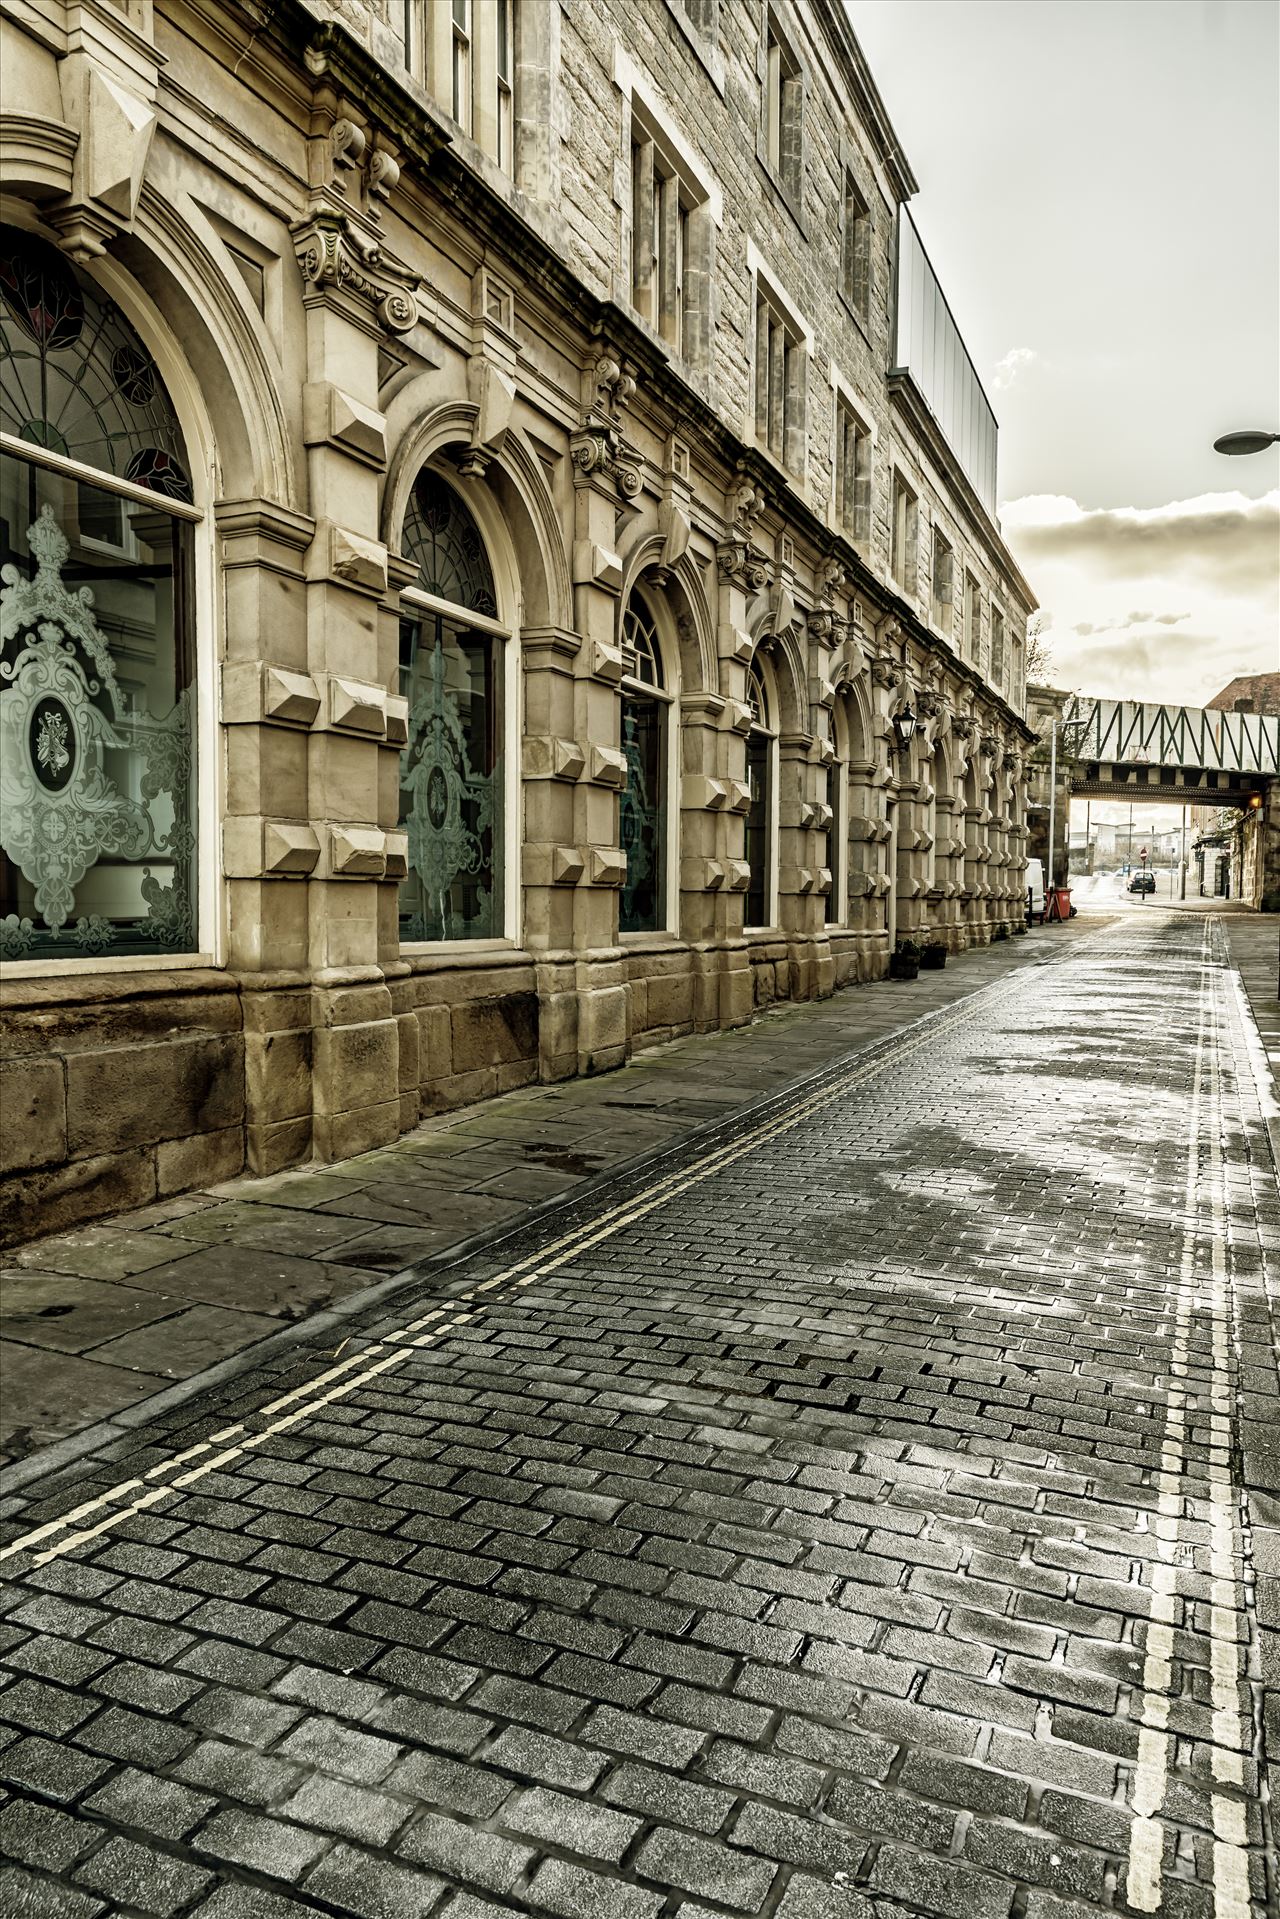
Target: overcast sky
x,y
1100,196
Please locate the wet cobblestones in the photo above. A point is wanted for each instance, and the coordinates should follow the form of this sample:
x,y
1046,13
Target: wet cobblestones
x,y
866,1511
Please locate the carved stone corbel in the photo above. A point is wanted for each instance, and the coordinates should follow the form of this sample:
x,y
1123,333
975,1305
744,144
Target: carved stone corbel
x,y
338,255
743,565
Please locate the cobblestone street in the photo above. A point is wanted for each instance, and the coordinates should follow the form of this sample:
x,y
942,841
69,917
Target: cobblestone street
x,y
868,1507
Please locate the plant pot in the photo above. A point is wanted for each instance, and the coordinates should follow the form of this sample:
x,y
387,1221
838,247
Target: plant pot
x,y
904,966
933,959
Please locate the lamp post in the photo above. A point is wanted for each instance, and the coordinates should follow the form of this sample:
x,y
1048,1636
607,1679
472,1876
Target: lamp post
x,y
1252,440
905,727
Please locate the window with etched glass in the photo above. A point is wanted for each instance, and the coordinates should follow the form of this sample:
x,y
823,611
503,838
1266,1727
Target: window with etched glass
x,y
642,806
451,671
758,847
97,663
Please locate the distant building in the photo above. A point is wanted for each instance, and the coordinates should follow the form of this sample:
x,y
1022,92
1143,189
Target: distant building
x,y
1237,850
1254,693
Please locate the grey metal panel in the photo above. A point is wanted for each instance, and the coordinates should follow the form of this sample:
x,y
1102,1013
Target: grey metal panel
x,y
930,347
1140,734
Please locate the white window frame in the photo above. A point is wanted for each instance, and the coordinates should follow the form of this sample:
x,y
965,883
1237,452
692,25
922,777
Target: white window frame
x,y
184,395
768,730
767,295
413,597
668,695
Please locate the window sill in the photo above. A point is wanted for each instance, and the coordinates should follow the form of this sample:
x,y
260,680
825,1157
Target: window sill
x,y
791,203
707,53
656,942
861,320
115,963
455,949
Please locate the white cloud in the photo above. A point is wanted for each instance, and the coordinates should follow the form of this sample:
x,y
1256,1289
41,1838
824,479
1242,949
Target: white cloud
x,y
1115,583
1014,362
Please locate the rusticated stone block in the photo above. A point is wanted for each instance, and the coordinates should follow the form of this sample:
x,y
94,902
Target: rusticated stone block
x,y
608,866
354,1066
358,1130
277,1075
397,712
608,766
119,1096
202,1160
82,1189
357,852
700,793
33,1113
546,757
356,706
397,851
489,1032
270,1148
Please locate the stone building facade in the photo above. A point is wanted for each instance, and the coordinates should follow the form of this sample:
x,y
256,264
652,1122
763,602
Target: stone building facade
x,y
481,482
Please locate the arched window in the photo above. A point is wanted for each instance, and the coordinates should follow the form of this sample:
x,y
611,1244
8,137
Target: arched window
x,y
643,804
451,673
97,642
762,752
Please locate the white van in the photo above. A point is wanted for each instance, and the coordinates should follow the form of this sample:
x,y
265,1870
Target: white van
x,y
1035,891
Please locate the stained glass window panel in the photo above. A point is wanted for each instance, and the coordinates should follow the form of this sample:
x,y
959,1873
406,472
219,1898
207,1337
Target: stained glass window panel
x,y
450,782
97,760
441,536
641,814
74,376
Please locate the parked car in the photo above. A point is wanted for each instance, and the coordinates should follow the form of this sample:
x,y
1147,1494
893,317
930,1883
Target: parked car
x,y
1143,883
1035,892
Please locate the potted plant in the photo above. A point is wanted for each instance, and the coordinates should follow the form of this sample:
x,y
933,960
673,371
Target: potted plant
x,y
934,957
904,961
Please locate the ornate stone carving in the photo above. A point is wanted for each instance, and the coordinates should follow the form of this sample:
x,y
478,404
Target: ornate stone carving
x,y
743,565
989,745
597,449
334,254
887,673
746,504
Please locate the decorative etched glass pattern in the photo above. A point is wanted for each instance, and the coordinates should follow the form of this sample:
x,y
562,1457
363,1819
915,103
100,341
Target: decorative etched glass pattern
x,y
76,379
450,788
640,815
97,808
443,539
